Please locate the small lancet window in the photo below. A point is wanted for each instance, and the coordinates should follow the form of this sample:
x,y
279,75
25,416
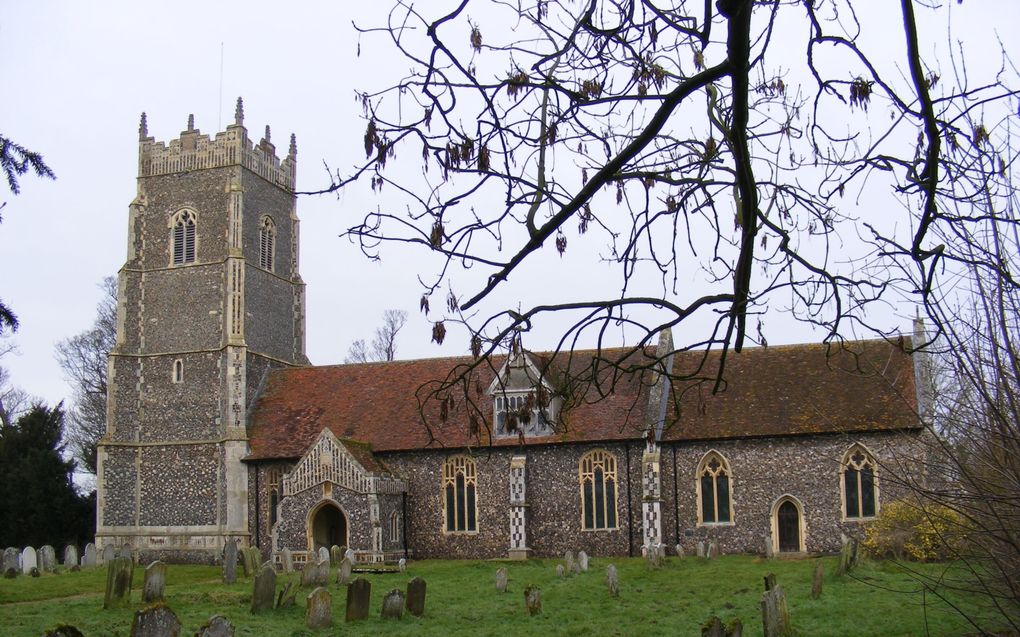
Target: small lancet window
x,y
267,243
597,473
178,371
860,493
714,502
460,480
394,527
182,237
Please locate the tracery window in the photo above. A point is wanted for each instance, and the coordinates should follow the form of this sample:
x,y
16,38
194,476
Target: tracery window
x,y
267,243
522,412
860,493
715,506
182,236
597,475
460,480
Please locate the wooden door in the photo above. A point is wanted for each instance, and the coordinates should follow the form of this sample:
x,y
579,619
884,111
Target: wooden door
x,y
788,524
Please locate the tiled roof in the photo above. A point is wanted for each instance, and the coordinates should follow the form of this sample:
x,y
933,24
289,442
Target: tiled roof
x,y
780,390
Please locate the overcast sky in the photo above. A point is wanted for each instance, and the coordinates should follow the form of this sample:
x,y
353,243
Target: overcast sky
x,y
76,76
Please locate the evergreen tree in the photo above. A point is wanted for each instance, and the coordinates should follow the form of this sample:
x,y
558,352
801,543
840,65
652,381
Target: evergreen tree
x,y
41,505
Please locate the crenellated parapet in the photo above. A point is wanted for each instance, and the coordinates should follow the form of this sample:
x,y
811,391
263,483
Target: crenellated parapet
x,y
232,147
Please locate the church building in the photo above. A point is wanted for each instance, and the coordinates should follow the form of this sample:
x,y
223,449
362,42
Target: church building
x,y
219,429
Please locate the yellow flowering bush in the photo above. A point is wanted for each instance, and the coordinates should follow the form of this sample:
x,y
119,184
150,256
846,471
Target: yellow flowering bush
x,y
908,530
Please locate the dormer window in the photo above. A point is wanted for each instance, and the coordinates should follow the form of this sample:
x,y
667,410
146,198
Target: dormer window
x,y
522,412
524,402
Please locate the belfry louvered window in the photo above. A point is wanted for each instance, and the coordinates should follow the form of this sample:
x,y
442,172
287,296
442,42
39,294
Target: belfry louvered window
x,y
182,237
460,480
267,243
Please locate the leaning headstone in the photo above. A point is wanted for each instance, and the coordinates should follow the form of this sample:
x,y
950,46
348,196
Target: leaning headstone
x,y
393,604
287,558
155,582
402,565
287,596
47,558
501,580
155,621
64,630
349,554
612,581
70,555
343,574
359,596
582,561
775,615
416,597
319,611
263,592
715,628
109,554
335,555
770,551
568,561
217,626
816,582
323,554
560,571
680,551
28,560
533,599
119,575
12,558
88,558
848,556
230,562
700,546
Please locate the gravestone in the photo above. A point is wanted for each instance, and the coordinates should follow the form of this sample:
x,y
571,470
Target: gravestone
x,y
816,582
680,551
402,565
700,547
560,571
343,574
217,626
416,597
28,560
288,595
359,596
10,573
775,616
656,553
612,581
582,561
254,559
713,550
349,554
47,558
319,611
34,572
308,574
155,621
109,554
533,599
715,628
288,560
125,551
64,630
848,556
501,580
323,554
155,582
88,560
263,590
335,555
70,555
230,562
322,573
12,558
119,575
568,561
393,604
770,551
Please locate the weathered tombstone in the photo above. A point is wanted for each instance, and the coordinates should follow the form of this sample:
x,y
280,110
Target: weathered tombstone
x,y
254,559
402,565
323,554
568,561
848,556
713,550
700,546
155,621
217,626
287,558
119,575
816,582
393,604
230,562
655,554
416,597
287,596
309,573
349,554
263,592
126,551
715,628
533,599
88,560
322,573
612,581
680,551
501,580
47,558
343,574
560,571
155,582
359,596
319,611
12,558
70,555
770,551
64,630
109,554
335,555
582,561
775,615
28,560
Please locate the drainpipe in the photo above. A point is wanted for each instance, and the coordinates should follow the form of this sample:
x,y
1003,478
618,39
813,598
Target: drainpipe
x,y
630,518
403,528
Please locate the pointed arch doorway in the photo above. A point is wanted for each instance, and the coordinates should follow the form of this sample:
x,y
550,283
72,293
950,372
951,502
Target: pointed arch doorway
x,y
788,525
327,526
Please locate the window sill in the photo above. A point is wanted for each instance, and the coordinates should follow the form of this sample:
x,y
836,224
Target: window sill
x,y
608,528
871,518
714,525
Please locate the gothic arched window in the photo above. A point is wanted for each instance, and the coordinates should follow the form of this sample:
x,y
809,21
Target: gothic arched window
x,y
267,243
860,492
460,479
182,236
394,527
715,506
597,474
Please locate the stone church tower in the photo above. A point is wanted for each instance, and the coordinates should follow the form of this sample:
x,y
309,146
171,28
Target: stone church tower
x,y
209,300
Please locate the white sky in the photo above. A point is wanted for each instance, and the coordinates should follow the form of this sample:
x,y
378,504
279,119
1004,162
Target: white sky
x,y
76,75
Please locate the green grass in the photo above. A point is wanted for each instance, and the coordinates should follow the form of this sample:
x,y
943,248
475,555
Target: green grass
x,y
879,600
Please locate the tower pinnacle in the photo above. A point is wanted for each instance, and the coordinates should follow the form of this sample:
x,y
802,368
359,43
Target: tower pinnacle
x,y
239,113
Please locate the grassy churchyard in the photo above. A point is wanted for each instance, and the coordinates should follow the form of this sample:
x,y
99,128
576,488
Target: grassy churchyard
x,y
676,599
